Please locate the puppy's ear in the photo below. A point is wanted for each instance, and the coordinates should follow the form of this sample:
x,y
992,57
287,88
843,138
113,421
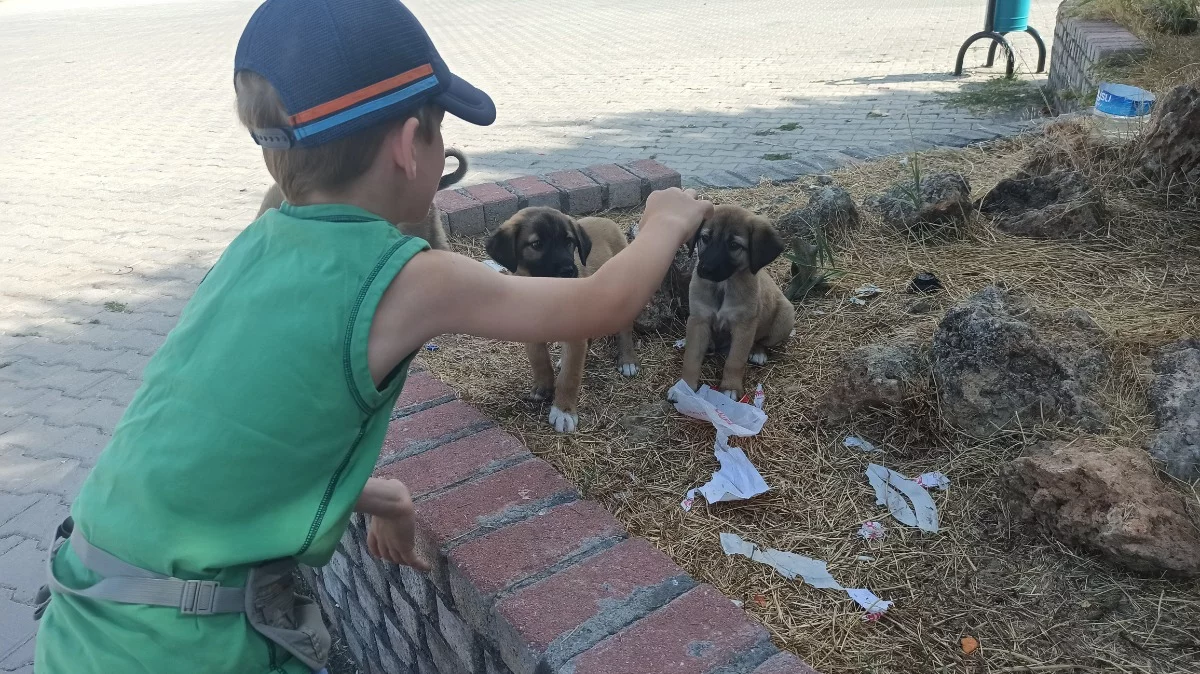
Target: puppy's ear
x,y
584,241
765,244
695,240
502,245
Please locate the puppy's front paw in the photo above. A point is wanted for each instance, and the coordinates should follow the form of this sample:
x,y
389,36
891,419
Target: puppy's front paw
x,y
758,358
628,369
540,394
563,422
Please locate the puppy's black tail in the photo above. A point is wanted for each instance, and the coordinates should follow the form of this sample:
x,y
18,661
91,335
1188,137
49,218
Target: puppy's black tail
x,y
453,178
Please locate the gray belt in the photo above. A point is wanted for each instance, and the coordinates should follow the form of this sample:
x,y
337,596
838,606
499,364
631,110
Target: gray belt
x,y
127,584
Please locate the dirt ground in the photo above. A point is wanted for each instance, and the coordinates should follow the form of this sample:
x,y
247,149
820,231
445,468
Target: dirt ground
x,y
1032,604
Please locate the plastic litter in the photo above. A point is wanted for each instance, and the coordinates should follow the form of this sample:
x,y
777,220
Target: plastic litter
x,y
867,290
872,531
855,442
925,283
874,606
897,492
787,564
680,344
934,480
431,347
496,266
737,479
812,571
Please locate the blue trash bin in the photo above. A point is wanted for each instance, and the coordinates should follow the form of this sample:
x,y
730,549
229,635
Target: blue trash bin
x,y
1011,16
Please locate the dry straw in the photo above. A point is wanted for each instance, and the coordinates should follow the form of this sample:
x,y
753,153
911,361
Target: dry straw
x,y
1033,605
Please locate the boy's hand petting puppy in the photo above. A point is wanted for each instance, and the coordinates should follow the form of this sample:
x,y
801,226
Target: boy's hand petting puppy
x,y
674,210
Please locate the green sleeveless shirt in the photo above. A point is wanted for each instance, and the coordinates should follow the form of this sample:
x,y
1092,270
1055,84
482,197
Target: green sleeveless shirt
x,y
255,428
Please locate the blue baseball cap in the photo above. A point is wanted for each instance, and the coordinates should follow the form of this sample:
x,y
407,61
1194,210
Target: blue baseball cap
x,y
341,66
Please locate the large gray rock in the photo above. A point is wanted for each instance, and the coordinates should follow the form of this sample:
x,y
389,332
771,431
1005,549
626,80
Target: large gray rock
x,y
942,204
1059,205
1106,500
1175,399
1171,144
878,375
999,364
830,210
668,307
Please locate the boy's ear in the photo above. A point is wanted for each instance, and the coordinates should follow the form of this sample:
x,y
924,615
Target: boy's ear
x,y
502,245
402,143
584,241
765,244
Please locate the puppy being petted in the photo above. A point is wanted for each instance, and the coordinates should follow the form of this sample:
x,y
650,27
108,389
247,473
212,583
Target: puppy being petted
x,y
733,304
258,423
544,242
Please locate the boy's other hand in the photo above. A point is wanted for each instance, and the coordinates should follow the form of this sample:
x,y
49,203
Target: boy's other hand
x,y
392,537
679,210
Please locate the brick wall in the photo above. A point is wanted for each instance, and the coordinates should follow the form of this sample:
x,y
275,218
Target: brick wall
x,y
527,577
1080,47
479,209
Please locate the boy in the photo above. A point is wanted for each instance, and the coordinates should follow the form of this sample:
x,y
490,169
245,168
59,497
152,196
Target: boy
x,y
260,419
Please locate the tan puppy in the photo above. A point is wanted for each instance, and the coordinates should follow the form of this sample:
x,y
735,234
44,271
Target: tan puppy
x,y
431,228
731,304
545,242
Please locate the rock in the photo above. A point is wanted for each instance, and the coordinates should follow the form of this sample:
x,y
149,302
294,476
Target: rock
x,y
645,424
878,375
830,208
944,203
1109,501
668,307
1170,153
1175,399
1060,205
999,363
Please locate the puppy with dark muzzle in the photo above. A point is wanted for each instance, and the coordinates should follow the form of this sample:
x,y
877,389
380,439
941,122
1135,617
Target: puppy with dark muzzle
x,y
431,228
732,305
545,242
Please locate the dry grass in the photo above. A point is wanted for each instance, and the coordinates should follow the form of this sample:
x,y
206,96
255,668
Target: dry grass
x,y
1032,604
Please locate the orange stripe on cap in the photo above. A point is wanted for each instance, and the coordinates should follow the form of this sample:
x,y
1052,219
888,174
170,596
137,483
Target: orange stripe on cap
x,y
343,102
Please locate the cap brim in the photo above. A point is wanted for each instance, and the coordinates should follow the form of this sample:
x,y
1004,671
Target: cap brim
x,y
469,104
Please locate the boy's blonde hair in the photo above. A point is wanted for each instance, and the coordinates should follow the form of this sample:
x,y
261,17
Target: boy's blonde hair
x,y
329,166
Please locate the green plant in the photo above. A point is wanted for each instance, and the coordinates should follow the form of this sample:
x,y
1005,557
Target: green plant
x,y
117,307
777,156
813,265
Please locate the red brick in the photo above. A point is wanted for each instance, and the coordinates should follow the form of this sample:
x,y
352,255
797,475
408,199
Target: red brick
x,y
498,203
463,508
559,605
784,663
497,560
696,633
422,388
581,194
533,191
622,189
463,213
454,462
427,425
654,176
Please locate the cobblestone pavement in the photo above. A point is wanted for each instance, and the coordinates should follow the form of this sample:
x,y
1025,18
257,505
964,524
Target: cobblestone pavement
x,y
123,172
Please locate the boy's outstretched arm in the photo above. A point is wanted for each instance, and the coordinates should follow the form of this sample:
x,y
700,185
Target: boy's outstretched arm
x,y
438,293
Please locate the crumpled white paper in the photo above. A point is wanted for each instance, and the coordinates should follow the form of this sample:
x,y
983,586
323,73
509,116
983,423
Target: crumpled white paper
x,y
934,480
496,266
730,417
812,571
737,479
896,492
